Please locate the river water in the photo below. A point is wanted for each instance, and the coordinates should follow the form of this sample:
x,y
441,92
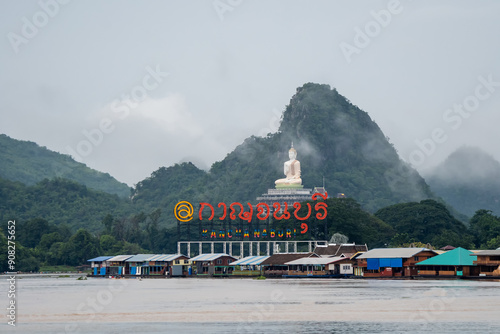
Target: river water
x,y
67,305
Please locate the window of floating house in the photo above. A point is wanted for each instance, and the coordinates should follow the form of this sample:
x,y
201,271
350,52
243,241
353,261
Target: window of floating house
x,y
177,261
219,261
415,258
228,261
494,258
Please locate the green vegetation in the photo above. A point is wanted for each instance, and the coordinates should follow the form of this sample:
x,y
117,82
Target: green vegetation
x,y
60,201
485,228
29,163
428,222
345,216
58,269
61,222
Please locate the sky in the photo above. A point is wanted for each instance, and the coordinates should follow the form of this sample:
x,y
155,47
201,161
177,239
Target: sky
x,y
129,86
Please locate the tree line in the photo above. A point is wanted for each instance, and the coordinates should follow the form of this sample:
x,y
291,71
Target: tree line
x,y
41,243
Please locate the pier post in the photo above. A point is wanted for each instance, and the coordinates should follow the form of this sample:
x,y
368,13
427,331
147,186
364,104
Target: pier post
x,y
295,250
200,248
267,249
242,254
189,249
286,246
178,248
212,247
250,248
310,248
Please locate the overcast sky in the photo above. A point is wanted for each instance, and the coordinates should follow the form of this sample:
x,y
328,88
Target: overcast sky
x,y
153,83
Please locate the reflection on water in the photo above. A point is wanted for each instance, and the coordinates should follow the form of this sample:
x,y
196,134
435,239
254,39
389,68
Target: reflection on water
x,y
65,305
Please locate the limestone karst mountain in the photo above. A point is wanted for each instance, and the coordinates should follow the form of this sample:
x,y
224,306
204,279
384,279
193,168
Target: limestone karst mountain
x,y
337,143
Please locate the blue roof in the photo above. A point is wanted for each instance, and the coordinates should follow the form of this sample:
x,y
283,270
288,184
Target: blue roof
x,y
99,259
250,260
139,258
210,257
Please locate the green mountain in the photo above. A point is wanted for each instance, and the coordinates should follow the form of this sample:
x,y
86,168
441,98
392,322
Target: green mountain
x,y
29,163
61,202
469,180
337,143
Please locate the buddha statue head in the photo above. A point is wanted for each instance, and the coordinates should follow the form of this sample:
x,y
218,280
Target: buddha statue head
x,y
292,153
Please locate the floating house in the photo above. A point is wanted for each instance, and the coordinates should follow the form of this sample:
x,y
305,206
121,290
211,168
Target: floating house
x,y
171,265
392,262
275,265
343,266
137,264
98,265
455,262
488,262
337,266
214,264
248,266
116,265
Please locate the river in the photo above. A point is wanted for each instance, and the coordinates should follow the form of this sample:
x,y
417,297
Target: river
x,y
96,305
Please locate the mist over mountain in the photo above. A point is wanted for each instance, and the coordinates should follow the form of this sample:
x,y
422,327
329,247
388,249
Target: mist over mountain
x,y
29,163
337,143
469,180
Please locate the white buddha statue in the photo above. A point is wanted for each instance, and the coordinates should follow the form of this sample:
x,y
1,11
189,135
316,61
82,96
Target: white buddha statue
x,y
291,170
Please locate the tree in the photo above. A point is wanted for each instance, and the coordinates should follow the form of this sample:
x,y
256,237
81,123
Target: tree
x,y
48,240
30,233
109,245
108,223
338,238
485,227
80,247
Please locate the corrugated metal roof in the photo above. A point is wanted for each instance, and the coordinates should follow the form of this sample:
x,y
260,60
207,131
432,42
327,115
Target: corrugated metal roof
x,y
392,253
337,249
280,258
210,257
315,260
488,252
164,257
139,258
119,258
99,259
250,260
455,257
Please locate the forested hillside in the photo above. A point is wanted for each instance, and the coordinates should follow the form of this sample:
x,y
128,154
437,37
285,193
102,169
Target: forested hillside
x,y
61,202
29,163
